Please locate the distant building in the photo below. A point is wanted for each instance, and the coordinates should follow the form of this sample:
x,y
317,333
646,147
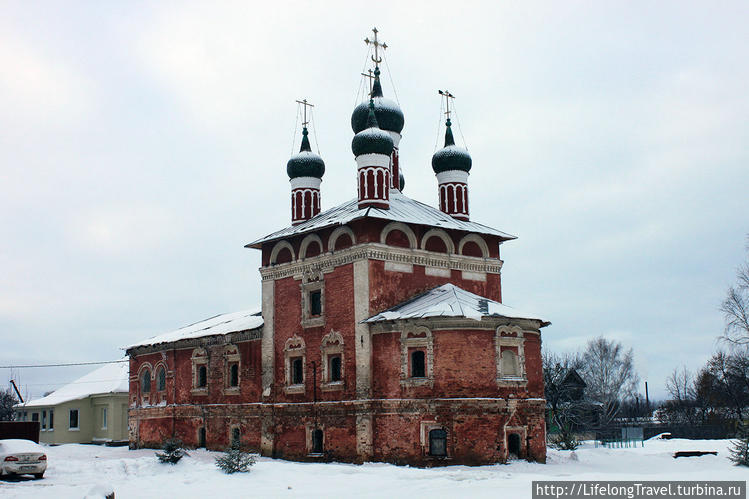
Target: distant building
x,y
91,409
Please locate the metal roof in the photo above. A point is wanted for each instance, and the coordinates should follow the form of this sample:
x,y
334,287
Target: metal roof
x,y
449,300
402,209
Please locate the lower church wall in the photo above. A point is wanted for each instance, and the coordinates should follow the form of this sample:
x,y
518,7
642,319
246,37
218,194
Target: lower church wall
x,y
478,430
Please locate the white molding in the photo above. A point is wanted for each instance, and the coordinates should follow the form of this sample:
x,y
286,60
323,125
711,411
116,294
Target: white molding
x,y
383,252
309,238
401,227
345,229
277,249
373,160
399,267
437,271
442,235
452,176
305,183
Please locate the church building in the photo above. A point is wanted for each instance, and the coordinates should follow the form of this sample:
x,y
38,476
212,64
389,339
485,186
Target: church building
x,y
382,334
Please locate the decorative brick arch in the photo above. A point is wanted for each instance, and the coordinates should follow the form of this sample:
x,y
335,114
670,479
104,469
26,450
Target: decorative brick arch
x,y
338,233
277,249
476,239
413,244
440,234
305,244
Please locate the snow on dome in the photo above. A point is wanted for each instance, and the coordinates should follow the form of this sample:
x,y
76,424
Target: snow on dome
x,y
451,158
388,113
402,209
372,141
110,378
217,325
449,300
305,164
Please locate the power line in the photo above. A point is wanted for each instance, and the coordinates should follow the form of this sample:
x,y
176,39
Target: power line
x,y
67,365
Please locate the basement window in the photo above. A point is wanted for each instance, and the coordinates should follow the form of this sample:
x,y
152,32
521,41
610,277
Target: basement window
x,y
438,443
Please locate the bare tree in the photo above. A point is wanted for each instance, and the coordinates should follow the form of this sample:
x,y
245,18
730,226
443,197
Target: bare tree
x,y
610,375
735,307
683,407
565,404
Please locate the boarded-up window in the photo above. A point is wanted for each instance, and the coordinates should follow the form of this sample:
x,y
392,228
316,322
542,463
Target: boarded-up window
x,y
438,442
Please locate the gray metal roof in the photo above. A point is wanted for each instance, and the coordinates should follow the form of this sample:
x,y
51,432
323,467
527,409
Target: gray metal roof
x,y
449,300
402,209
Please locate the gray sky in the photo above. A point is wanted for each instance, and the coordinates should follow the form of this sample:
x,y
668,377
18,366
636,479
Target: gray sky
x,y
142,145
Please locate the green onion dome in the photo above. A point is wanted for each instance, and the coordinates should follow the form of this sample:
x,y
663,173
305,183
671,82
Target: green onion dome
x,y
388,113
451,157
305,163
401,181
372,140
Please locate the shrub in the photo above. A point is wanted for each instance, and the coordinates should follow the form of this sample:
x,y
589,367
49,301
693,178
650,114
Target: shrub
x,y
173,451
235,460
739,450
565,440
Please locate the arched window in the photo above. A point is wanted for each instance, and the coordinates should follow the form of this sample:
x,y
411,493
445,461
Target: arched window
x,y
438,442
234,375
202,376
161,379
418,366
146,381
335,369
509,363
297,371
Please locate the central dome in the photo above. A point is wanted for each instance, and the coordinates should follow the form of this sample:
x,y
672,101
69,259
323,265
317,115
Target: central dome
x,y
388,113
372,139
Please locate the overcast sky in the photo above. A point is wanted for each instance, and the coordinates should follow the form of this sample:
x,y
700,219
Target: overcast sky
x,y
143,144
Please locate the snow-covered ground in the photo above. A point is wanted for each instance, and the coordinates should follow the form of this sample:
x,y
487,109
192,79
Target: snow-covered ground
x,y
74,470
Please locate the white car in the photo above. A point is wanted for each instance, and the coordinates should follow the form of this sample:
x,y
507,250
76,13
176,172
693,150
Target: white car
x,y
22,457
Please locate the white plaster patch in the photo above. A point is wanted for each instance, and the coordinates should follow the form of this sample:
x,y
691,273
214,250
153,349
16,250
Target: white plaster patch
x,y
399,267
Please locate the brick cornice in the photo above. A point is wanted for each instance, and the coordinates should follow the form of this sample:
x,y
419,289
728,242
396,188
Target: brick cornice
x,y
377,251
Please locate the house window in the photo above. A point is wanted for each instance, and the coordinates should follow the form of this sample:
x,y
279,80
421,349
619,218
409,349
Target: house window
x,y
335,368
44,420
315,303
202,376
231,369
332,361
35,416
438,443
51,419
103,418
317,441
417,364
297,371
161,379
73,421
294,361
199,371
313,299
509,363
417,357
235,437
234,375
146,381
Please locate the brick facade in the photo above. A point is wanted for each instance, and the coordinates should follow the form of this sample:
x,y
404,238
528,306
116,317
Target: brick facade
x,y
376,411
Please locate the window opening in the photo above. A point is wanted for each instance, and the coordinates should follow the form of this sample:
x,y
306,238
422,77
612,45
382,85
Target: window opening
x,y
438,442
417,364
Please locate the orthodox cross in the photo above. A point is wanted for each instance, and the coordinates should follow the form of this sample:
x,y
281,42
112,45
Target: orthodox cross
x,y
371,77
377,44
306,105
447,95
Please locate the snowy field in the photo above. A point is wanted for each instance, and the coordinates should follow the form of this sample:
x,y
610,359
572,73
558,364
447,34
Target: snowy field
x,y
74,470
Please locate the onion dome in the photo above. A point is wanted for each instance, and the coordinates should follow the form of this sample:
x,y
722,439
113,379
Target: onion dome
x,y
305,163
388,113
451,157
401,181
372,140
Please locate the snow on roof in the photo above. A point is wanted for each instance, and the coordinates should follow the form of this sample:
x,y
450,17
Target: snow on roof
x,y
402,209
110,378
449,300
219,324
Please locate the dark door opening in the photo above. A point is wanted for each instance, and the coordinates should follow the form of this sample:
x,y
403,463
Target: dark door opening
x,y
317,441
201,437
513,445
